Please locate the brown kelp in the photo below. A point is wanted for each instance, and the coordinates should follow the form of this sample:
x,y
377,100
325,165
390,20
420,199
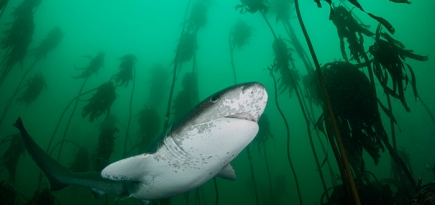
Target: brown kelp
x,y
106,144
187,46
81,161
284,12
263,135
389,55
100,102
34,87
240,34
43,197
284,64
158,85
50,42
16,40
355,108
149,127
126,67
186,98
3,5
12,154
342,160
40,52
94,66
123,77
283,60
198,16
8,195
239,37
375,193
348,28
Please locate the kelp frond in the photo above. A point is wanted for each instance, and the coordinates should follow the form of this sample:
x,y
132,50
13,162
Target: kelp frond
x,y
389,56
34,87
125,75
240,34
48,44
94,66
100,102
252,6
355,107
12,155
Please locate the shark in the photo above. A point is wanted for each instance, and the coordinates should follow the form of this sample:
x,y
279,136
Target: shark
x,y
193,150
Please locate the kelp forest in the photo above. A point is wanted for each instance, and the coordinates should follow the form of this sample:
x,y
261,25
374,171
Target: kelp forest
x,y
350,116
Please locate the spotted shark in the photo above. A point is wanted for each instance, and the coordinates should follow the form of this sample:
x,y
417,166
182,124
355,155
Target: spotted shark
x,y
195,148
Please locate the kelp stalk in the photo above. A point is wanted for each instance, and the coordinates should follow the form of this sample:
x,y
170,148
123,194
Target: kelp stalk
x,y
174,76
287,132
232,59
129,111
17,89
63,113
268,174
329,107
70,117
251,166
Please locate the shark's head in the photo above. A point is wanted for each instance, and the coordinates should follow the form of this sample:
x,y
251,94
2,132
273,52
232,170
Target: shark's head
x,y
243,101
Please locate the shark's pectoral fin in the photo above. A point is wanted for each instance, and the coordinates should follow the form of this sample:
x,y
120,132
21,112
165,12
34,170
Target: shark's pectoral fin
x,y
227,173
129,169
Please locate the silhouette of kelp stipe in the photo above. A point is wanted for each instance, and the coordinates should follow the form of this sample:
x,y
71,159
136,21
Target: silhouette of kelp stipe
x,y
12,154
100,102
34,87
388,56
94,66
125,75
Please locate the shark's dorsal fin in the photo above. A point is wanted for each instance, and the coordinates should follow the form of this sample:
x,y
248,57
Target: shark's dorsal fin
x,y
129,169
227,173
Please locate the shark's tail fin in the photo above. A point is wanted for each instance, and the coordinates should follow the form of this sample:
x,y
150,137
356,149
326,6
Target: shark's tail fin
x,y
54,171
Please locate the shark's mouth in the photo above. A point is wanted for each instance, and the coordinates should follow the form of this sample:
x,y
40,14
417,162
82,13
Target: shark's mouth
x,y
243,116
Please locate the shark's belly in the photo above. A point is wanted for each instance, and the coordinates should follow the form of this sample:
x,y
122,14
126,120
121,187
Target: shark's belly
x,y
182,165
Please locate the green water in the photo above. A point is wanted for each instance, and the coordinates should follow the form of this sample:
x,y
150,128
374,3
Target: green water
x,y
151,31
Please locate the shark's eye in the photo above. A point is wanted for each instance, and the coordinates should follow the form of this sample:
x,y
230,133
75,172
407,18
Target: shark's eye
x,y
214,99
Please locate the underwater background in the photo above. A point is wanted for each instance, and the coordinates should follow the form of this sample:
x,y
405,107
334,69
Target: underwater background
x,y
119,56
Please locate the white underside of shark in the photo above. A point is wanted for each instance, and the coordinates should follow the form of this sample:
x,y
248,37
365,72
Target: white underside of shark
x,y
173,169
198,151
